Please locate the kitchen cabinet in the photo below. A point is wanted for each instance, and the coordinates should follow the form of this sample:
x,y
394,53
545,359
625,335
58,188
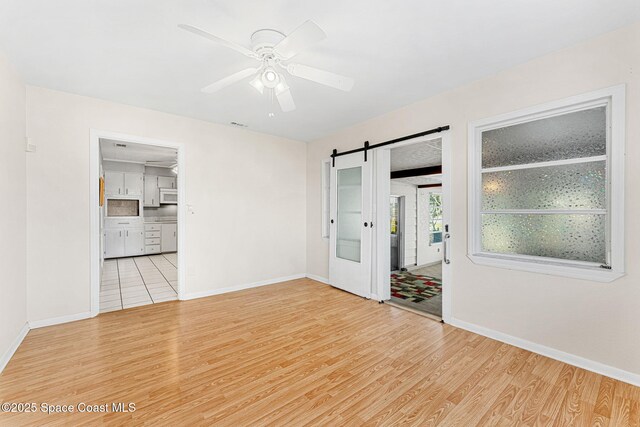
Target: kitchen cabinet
x,y
133,184
134,241
114,243
167,182
153,235
169,238
113,183
151,191
123,241
123,183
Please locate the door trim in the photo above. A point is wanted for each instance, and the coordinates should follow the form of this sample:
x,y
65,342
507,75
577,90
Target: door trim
x,y
94,200
382,245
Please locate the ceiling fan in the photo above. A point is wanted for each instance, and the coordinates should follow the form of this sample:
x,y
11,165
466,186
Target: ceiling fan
x,y
273,50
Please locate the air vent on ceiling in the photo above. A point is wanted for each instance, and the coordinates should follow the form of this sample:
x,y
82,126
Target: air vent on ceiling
x,y
242,125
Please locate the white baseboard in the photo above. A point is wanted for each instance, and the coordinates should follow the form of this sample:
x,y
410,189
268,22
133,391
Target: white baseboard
x,y
580,362
219,291
318,278
14,346
58,320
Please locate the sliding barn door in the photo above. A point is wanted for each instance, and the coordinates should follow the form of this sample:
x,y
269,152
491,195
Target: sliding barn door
x,y
351,227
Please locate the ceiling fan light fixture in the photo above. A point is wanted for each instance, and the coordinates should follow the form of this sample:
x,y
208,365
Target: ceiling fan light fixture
x,y
271,48
270,78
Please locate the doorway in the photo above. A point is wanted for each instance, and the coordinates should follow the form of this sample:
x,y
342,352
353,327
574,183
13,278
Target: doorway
x,y
137,225
416,172
360,195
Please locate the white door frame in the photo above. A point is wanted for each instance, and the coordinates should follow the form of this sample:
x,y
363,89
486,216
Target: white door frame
x,y
94,200
381,284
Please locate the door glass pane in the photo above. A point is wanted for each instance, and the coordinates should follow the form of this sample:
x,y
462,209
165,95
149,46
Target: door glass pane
x,y
576,186
565,236
349,226
567,136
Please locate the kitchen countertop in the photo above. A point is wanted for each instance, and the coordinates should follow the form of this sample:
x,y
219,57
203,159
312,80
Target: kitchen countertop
x,y
160,220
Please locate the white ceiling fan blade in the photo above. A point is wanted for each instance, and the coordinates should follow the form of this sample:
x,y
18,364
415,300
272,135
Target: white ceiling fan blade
x,y
320,76
286,100
283,94
231,45
301,38
229,80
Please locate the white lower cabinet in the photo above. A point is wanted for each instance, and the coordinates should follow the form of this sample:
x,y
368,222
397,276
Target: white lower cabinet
x,y
134,242
160,238
169,239
123,241
113,243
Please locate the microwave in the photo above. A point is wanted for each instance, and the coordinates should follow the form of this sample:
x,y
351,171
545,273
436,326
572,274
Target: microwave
x,y
168,196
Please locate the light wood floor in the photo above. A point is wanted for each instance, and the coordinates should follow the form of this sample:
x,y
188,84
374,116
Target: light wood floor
x,y
299,353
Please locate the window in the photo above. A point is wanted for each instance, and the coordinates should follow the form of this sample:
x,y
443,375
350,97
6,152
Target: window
x,y
546,188
435,218
326,211
395,207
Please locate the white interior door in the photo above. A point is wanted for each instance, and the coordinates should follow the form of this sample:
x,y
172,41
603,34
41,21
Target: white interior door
x,y
350,239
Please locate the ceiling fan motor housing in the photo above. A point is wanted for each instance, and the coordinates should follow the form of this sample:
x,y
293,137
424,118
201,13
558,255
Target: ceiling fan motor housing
x,y
263,41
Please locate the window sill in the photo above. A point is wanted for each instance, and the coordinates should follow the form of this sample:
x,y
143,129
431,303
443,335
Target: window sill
x,y
585,273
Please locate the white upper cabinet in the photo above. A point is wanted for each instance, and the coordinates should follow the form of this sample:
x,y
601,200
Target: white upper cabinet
x,y
167,182
133,184
123,184
114,183
151,191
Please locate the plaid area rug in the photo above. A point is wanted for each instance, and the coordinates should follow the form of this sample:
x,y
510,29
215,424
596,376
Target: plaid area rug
x,y
413,287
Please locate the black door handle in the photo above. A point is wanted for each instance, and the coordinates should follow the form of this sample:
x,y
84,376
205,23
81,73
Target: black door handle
x,y
331,221
366,224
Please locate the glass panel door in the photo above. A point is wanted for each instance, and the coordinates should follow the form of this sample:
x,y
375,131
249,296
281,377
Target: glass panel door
x,y
349,226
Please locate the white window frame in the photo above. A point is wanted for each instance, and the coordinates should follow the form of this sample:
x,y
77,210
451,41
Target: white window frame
x,y
326,189
429,232
614,98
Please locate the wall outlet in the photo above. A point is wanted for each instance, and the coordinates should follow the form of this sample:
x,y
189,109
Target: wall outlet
x,y
30,146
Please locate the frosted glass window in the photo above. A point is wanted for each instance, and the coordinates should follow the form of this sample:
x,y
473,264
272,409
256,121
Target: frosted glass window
x,y
568,237
567,136
572,186
349,220
544,188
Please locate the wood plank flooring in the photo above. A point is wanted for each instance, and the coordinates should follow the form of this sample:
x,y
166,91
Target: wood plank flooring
x,y
298,353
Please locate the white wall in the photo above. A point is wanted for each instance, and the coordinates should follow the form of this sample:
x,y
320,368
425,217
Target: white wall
x,y
410,219
597,321
427,254
13,285
247,191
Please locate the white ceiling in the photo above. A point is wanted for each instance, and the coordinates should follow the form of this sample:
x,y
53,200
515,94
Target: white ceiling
x,y
398,52
421,180
138,153
418,155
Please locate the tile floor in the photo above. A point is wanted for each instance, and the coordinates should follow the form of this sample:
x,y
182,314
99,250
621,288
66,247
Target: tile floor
x,y
135,281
